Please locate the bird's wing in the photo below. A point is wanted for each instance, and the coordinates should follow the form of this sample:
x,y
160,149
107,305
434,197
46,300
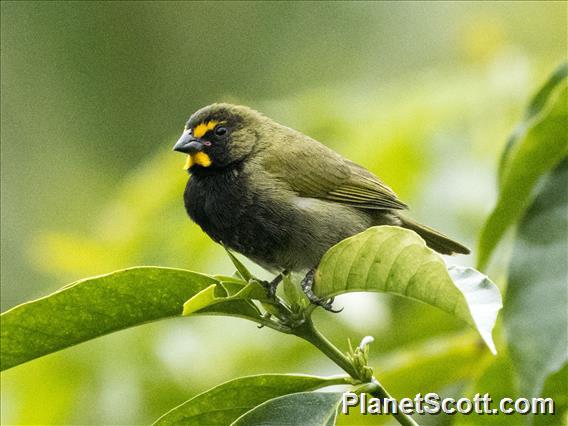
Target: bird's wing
x,y
313,170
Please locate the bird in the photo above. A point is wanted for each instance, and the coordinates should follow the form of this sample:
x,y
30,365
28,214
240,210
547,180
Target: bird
x,y
281,198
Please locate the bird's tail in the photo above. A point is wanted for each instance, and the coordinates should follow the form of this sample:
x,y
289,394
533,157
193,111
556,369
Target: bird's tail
x,y
434,239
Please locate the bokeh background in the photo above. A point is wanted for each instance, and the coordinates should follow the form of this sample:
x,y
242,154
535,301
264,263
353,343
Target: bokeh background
x,y
93,96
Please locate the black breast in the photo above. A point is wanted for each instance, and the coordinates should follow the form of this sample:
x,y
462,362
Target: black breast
x,y
226,208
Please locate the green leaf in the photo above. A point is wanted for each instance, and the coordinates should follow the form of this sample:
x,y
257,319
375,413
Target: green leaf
x,y
535,315
241,269
538,102
230,279
219,299
223,404
394,260
556,387
218,294
538,144
93,307
294,294
498,380
303,408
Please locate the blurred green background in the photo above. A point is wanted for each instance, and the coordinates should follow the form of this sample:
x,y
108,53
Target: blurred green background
x,y
94,94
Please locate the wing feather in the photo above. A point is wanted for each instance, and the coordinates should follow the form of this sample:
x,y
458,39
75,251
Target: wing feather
x,y
313,170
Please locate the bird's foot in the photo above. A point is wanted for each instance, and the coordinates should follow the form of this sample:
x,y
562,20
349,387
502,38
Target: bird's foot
x,y
267,317
273,285
307,284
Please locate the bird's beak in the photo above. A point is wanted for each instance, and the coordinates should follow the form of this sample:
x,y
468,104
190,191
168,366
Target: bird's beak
x,y
194,150
188,144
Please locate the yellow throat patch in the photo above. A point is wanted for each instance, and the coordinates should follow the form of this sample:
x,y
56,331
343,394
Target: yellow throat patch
x,y
198,158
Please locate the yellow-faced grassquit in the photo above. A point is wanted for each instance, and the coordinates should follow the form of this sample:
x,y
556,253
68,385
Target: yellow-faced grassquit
x,y
279,197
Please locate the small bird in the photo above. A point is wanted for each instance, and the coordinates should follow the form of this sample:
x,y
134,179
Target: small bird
x,y
279,197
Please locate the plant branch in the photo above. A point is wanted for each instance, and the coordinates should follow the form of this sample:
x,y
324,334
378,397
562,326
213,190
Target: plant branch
x,y
379,391
308,332
264,322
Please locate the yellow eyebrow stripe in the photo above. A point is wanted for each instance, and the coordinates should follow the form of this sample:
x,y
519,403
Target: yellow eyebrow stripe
x,y
202,128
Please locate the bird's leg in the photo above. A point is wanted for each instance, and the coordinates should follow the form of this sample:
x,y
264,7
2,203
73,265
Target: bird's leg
x,y
273,285
307,284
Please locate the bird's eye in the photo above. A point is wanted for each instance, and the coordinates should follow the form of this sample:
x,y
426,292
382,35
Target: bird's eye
x,y
220,131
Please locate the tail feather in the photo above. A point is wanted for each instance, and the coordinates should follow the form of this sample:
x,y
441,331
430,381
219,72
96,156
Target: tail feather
x,y
434,239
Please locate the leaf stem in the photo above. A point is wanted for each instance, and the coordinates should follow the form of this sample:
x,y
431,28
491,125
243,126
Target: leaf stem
x,y
380,392
310,333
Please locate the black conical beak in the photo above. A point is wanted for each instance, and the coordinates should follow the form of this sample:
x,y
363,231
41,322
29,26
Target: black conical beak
x,y
188,144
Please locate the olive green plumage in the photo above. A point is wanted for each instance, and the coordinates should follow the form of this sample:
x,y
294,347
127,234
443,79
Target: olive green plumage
x,y
278,196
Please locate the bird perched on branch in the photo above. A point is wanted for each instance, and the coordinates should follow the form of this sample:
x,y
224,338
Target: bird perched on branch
x,y
279,197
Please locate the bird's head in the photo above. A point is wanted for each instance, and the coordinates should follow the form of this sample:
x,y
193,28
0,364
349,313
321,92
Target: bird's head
x,y
219,135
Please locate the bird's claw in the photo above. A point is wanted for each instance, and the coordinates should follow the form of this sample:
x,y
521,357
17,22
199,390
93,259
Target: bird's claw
x,y
327,304
307,284
271,286
270,289
266,316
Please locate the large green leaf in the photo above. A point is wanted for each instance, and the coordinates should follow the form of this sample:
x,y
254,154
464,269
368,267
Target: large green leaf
x,y
537,145
303,408
536,315
498,380
223,404
96,306
395,260
538,103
